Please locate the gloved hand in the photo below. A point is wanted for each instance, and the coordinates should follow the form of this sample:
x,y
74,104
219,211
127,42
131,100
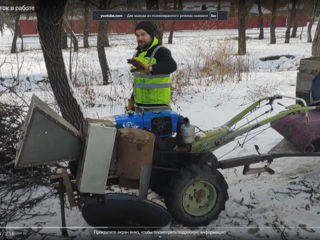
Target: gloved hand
x,y
130,106
140,66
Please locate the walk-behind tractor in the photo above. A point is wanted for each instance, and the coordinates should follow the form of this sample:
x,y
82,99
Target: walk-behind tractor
x,y
154,148
158,149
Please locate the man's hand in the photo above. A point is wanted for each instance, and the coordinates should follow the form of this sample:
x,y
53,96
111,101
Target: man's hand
x,y
140,66
130,106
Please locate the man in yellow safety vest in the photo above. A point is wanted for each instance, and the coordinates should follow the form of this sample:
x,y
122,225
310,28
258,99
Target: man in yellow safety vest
x,y
152,65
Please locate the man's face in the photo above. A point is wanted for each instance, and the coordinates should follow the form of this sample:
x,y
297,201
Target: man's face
x,y
143,38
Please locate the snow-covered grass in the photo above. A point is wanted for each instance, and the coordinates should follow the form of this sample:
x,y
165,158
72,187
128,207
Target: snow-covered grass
x,y
284,205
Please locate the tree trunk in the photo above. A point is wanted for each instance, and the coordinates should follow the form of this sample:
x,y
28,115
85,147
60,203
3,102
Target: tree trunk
x,y
295,23
289,24
173,24
233,7
103,28
301,33
105,35
162,24
309,36
154,5
86,25
73,37
311,20
16,34
49,15
261,34
160,27
64,39
315,50
102,41
21,37
21,46
158,31
101,53
130,5
219,5
242,27
294,28
273,23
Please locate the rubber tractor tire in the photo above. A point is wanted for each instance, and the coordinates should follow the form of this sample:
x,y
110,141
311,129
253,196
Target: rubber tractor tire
x,y
197,196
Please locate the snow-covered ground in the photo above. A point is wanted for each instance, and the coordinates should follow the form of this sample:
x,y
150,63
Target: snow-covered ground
x,y
285,205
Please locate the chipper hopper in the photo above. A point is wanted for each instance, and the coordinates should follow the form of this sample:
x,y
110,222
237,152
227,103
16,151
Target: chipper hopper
x,y
150,149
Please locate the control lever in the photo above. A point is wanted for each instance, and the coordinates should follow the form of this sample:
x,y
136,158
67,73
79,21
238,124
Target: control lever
x,y
257,149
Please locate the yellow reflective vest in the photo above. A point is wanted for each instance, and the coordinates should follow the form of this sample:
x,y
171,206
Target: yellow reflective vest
x,y
153,88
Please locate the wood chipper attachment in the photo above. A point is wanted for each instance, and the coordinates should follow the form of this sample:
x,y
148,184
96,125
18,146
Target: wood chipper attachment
x,y
48,138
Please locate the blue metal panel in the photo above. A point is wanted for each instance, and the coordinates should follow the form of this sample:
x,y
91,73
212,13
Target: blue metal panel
x,y
143,120
130,120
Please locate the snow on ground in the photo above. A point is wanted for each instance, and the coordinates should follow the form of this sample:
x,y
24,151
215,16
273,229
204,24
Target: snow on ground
x,y
284,205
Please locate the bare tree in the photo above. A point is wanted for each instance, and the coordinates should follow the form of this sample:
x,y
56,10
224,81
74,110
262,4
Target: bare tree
x,y
273,23
219,5
161,27
294,28
21,38
162,24
104,32
261,35
242,27
86,25
290,22
12,22
154,5
64,39
295,23
130,5
311,20
73,37
133,5
103,27
49,15
17,32
101,42
315,50
66,25
173,24
2,24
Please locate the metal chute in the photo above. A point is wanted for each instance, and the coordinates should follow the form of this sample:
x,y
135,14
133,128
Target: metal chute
x,y
47,137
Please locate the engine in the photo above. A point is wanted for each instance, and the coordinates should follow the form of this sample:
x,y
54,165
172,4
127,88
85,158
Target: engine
x,y
170,128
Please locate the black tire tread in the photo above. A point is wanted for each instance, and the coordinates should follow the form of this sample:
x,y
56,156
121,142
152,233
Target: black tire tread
x,y
184,177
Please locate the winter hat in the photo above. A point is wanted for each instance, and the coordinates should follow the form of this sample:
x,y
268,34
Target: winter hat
x,y
147,26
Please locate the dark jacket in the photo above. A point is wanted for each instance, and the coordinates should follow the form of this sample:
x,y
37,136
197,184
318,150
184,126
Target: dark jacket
x,y
165,62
